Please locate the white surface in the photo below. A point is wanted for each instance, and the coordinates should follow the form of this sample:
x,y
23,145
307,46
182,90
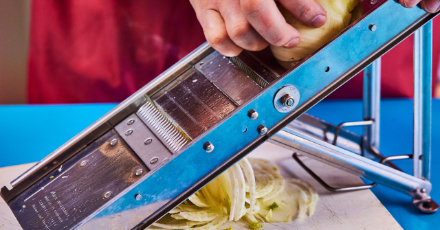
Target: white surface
x,y
352,210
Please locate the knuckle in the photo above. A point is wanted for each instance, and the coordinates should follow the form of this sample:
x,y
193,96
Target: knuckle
x,y
305,11
278,39
239,31
205,4
257,46
251,7
217,39
232,53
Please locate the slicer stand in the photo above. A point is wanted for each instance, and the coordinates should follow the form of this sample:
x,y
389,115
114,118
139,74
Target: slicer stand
x,y
207,112
292,137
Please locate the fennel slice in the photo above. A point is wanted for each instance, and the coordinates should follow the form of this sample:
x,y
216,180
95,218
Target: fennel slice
x,y
250,176
199,200
279,186
205,215
215,224
311,193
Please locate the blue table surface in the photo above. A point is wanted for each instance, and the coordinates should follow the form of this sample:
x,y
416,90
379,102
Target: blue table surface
x,y
30,132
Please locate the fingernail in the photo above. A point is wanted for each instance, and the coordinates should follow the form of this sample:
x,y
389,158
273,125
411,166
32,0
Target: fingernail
x,y
318,21
404,3
433,9
292,43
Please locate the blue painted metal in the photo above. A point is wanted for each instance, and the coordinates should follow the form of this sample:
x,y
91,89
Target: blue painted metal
x,y
422,100
188,167
371,99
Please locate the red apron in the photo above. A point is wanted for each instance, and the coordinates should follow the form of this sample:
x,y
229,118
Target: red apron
x,y
104,50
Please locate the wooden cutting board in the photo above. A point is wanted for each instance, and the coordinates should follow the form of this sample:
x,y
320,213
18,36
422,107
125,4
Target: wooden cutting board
x,y
349,210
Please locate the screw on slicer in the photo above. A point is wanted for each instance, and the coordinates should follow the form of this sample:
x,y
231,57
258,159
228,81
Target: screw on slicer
x,y
139,172
114,142
107,194
208,147
129,132
287,100
131,121
154,160
262,129
148,141
253,114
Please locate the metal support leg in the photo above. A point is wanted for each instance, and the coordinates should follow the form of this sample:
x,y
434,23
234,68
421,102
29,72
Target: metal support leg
x,y
422,101
371,98
371,112
350,162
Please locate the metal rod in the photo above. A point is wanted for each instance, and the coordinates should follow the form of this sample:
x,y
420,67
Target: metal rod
x,y
325,131
324,184
351,123
422,101
348,161
396,157
371,99
381,157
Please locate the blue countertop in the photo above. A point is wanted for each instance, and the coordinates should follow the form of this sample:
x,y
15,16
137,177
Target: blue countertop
x,y
30,132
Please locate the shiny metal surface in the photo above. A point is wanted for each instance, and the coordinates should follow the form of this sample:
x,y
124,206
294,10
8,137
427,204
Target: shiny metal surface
x,y
322,130
105,123
68,196
371,109
161,127
423,202
285,93
422,101
227,77
146,152
255,69
262,130
324,184
252,114
352,123
349,162
194,103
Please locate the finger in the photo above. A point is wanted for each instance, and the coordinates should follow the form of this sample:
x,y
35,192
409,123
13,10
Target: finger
x,y
409,3
215,32
430,6
238,27
267,20
307,11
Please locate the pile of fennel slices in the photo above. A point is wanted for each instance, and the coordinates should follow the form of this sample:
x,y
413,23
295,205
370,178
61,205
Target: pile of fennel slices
x,y
252,190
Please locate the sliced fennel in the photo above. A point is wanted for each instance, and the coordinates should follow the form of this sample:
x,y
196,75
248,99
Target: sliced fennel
x,y
252,190
198,199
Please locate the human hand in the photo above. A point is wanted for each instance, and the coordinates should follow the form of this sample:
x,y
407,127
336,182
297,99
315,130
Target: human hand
x,y
430,6
233,25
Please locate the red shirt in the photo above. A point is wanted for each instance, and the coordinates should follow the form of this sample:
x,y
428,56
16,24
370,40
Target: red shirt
x,y
104,50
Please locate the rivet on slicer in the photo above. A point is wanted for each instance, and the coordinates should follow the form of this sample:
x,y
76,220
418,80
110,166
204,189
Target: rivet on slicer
x,y
107,194
129,132
148,141
253,114
114,142
208,147
262,129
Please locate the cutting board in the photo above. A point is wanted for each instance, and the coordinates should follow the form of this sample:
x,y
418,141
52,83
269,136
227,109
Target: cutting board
x,y
349,210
